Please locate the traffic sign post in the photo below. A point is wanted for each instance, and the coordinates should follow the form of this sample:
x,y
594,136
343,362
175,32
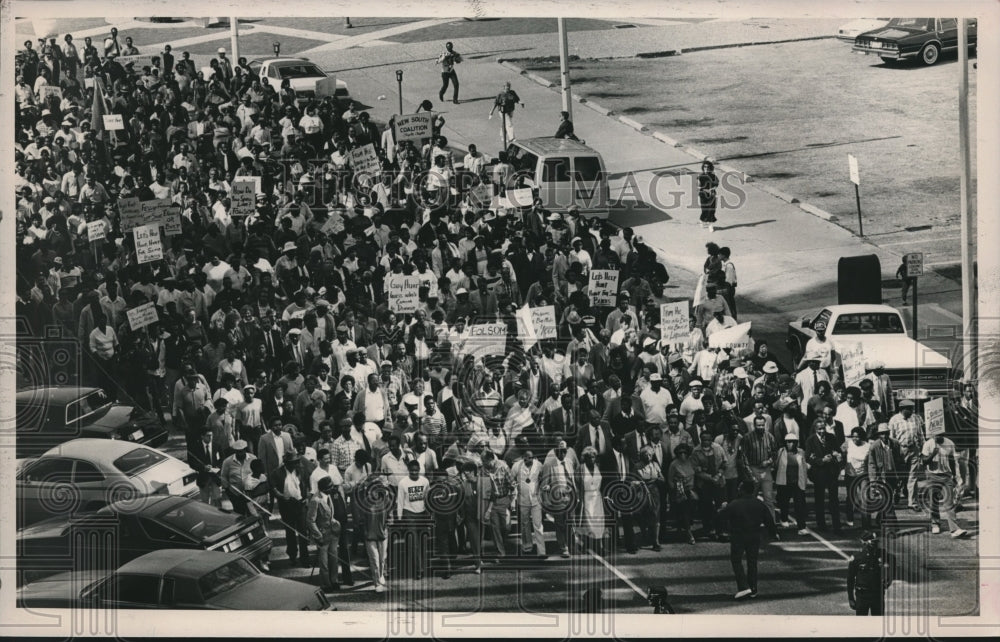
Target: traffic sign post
x,y
852,164
915,269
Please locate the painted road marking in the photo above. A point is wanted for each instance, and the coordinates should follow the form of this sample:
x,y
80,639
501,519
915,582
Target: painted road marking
x,y
620,575
828,544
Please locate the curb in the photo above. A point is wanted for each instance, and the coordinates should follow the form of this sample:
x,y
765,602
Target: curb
x,y
541,81
659,54
815,211
753,44
600,110
634,124
788,198
663,138
511,66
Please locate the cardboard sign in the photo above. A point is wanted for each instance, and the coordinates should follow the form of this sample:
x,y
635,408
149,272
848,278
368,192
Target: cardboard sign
x,y
243,199
138,61
334,223
674,325
128,212
113,122
525,327
915,264
135,212
96,231
520,197
404,293
413,126
603,288
148,247
934,417
486,339
481,195
172,222
852,359
543,321
852,165
49,90
364,160
326,87
733,339
88,83
141,316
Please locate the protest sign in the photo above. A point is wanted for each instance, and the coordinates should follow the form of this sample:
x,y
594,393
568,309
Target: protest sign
x,y
243,198
603,288
172,222
852,358
128,212
486,339
404,293
543,321
147,243
413,126
135,212
525,327
113,122
674,326
364,160
733,339
934,417
480,195
96,231
49,90
326,87
520,197
88,83
334,223
141,316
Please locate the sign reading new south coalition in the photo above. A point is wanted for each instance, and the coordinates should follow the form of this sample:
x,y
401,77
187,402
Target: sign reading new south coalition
x,y
413,126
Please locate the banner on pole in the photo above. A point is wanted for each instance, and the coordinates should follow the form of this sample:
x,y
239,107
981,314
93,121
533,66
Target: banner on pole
x,y
674,324
734,339
413,126
603,288
147,243
141,316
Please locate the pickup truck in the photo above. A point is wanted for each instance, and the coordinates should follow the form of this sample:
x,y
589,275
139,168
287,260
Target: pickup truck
x,y
882,334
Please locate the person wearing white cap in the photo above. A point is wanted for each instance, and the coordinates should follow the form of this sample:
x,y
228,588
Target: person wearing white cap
x,y
808,379
579,255
790,481
225,65
692,401
655,400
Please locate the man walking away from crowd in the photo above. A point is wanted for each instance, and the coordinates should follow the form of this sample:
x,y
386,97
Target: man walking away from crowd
x,y
744,516
448,60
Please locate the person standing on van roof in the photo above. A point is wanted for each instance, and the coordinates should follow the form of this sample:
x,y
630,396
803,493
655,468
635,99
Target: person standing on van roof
x,y
565,127
506,101
448,60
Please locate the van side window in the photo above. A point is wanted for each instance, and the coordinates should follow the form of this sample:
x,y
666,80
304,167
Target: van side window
x,y
587,168
555,170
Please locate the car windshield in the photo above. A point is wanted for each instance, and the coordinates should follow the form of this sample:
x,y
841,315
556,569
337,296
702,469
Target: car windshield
x,y
86,405
300,70
197,519
869,323
911,23
136,461
226,578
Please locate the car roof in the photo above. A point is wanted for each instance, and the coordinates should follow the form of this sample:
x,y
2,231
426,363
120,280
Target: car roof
x,y
283,59
178,562
53,394
853,308
99,450
151,505
550,145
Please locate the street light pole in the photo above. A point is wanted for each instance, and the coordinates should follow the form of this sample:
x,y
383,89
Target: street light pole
x,y
567,96
968,250
234,38
399,82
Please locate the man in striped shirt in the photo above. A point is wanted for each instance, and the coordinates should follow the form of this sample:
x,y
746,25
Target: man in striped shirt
x,y
344,447
907,429
759,449
433,424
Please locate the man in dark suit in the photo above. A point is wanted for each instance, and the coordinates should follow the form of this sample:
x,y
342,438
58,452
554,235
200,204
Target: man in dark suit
x,y
624,421
626,505
273,403
168,60
206,459
591,400
596,433
290,485
563,421
535,381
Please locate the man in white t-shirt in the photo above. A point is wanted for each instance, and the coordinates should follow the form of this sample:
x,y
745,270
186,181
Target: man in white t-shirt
x,y
410,508
938,455
655,400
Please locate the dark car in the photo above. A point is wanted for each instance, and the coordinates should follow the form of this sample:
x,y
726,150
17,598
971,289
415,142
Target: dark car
x,y
908,38
51,415
125,530
175,579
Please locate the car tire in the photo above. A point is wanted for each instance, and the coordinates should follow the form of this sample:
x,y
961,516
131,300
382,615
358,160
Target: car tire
x,y
930,54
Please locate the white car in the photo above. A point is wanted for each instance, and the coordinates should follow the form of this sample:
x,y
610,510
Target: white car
x,y
854,28
302,74
87,474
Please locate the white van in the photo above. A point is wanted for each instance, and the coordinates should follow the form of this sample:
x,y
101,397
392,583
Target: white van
x,y
563,173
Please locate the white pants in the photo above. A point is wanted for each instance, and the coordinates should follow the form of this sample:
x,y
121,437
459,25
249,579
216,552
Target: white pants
x,y
508,125
530,518
377,551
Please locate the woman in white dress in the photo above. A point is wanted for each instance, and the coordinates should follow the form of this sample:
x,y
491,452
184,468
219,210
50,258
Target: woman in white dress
x,y
592,527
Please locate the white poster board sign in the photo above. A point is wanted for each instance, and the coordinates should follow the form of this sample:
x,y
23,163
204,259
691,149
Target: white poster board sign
x,y
734,339
141,316
147,243
934,417
852,358
413,126
113,122
603,288
96,231
852,166
674,324
404,292
243,199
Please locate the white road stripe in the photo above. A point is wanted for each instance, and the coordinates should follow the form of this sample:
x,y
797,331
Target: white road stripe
x,y
827,544
620,575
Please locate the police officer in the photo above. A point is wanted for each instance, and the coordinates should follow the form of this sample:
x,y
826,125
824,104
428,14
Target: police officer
x,y
869,574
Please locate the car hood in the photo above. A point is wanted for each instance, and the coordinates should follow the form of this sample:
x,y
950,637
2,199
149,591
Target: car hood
x,y
266,593
49,528
60,587
895,351
892,33
309,84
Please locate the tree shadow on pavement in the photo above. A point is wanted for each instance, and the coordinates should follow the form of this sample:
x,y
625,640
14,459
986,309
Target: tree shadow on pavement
x,y
719,228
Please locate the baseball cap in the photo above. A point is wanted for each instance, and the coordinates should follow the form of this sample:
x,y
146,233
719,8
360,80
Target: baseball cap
x,y
655,377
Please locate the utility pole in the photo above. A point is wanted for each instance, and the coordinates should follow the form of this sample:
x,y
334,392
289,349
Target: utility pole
x,y
968,249
567,95
234,39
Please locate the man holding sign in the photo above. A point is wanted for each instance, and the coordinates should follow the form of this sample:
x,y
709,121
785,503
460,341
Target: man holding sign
x,y
943,474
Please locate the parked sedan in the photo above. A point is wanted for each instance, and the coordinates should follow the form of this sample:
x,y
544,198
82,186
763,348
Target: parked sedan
x,y
854,28
87,474
908,38
136,529
175,579
50,415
